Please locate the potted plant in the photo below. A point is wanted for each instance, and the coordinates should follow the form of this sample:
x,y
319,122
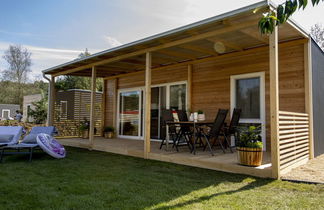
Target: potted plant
x,y
84,130
109,132
201,115
249,146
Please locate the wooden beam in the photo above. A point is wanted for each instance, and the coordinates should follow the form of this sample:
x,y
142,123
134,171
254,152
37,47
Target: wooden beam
x,y
51,102
189,85
201,60
162,46
274,102
92,107
147,108
309,94
115,99
199,49
103,106
173,53
255,35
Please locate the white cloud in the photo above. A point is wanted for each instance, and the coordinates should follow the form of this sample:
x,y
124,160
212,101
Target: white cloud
x,y
111,41
42,58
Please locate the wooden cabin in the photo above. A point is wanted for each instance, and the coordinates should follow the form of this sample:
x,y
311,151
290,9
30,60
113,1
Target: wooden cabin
x,y
219,63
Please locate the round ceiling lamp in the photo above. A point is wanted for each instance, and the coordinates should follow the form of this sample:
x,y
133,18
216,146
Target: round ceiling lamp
x,y
219,47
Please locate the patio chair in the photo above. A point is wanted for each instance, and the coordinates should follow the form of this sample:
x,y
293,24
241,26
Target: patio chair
x,y
232,128
28,143
10,135
166,117
215,131
184,133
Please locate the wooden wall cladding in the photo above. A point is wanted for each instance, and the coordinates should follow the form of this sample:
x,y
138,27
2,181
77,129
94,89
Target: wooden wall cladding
x,y
211,81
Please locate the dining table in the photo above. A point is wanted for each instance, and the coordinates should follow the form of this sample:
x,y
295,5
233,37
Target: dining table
x,y
196,125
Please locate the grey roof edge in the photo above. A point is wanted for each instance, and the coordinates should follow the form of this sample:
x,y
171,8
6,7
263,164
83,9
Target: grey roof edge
x,y
79,90
232,13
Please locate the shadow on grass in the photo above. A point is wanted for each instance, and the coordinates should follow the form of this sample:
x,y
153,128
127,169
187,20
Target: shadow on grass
x,y
90,179
255,184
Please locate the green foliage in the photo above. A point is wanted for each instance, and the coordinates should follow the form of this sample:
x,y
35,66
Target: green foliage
x,y
109,129
39,113
250,137
76,82
200,111
9,94
284,11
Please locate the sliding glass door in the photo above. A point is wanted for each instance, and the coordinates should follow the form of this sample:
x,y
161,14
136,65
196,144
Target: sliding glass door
x,y
130,113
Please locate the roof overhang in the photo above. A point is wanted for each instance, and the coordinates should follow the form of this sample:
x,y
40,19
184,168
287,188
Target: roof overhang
x,y
236,30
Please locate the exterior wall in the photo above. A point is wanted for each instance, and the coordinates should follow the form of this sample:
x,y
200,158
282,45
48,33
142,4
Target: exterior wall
x,y
67,96
211,81
28,100
318,99
78,103
12,107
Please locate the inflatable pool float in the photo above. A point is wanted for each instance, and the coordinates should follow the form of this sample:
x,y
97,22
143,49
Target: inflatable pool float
x,y
50,145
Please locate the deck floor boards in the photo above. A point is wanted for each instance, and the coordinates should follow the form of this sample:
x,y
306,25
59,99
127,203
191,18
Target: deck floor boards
x,y
222,162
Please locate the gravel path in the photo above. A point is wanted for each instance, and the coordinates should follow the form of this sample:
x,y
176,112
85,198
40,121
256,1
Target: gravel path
x,y
313,171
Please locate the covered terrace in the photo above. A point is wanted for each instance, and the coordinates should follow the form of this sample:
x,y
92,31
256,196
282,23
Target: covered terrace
x,y
231,36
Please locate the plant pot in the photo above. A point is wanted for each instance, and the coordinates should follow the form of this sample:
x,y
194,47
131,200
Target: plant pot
x,y
249,156
109,135
85,134
201,117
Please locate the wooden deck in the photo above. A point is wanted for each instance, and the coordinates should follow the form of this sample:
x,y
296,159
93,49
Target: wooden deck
x,y
220,161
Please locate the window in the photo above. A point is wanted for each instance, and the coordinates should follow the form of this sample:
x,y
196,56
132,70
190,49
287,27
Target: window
x,y
5,114
248,97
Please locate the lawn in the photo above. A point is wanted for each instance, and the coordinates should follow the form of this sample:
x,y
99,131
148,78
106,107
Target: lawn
x,y
97,180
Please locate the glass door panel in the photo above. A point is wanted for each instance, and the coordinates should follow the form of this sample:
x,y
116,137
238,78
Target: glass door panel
x,y
248,97
129,113
178,97
155,109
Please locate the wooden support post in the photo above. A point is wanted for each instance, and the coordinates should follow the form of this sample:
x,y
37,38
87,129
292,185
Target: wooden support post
x,y
51,102
309,94
92,106
147,124
189,83
115,94
274,102
103,106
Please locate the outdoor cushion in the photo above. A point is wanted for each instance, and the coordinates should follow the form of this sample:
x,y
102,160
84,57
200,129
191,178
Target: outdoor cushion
x,y
30,138
16,131
5,138
50,130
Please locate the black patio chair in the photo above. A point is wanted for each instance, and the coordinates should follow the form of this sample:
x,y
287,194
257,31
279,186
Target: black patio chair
x,y
216,131
231,130
167,116
185,133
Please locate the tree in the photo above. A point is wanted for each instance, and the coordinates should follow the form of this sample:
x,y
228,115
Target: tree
x,y
76,82
317,32
84,54
284,11
19,62
39,113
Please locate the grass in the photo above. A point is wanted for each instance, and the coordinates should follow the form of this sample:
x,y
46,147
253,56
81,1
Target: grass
x,y
97,180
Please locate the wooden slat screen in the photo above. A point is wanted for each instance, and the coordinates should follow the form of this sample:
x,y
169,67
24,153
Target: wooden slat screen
x,y
293,138
68,126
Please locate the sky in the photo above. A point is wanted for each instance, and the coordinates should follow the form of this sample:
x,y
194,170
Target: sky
x,y
57,31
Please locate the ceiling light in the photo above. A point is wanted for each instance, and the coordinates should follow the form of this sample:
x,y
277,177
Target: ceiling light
x,y
219,47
